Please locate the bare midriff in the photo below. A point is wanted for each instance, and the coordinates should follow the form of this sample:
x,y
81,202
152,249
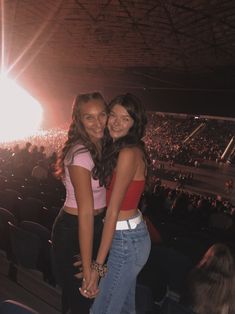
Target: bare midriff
x,y
75,211
124,214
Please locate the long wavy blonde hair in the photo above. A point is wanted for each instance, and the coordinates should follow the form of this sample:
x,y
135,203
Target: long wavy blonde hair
x,y
77,133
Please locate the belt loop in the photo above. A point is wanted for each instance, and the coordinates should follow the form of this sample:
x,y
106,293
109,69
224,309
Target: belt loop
x,y
128,223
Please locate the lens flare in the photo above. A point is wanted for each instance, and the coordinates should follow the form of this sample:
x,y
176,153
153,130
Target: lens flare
x,y
20,113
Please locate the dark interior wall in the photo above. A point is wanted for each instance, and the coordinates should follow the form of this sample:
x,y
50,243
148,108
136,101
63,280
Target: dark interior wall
x,y
58,111
218,103
212,94
195,102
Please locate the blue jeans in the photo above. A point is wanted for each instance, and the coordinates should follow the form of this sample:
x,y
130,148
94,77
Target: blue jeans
x,y
128,254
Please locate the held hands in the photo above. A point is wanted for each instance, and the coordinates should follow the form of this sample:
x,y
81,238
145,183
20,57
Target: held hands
x,y
89,288
90,281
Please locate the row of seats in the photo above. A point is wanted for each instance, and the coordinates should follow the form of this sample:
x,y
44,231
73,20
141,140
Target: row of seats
x,y
14,307
29,208
29,199
26,244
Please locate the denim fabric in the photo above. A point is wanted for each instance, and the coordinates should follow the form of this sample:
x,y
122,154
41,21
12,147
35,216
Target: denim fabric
x,y
129,252
65,246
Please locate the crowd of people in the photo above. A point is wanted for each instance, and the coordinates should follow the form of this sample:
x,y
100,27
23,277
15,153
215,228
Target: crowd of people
x,y
101,245
172,138
167,138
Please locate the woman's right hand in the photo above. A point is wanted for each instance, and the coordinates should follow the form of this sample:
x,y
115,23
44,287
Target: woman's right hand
x,y
79,275
83,289
92,286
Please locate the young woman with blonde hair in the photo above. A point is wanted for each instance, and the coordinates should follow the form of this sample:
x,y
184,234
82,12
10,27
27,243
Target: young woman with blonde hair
x,y
78,227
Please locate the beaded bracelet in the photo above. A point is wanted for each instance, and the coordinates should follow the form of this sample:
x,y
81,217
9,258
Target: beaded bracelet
x,y
99,268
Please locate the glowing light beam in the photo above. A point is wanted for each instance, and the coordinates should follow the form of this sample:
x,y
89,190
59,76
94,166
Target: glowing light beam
x,y
2,36
20,113
41,31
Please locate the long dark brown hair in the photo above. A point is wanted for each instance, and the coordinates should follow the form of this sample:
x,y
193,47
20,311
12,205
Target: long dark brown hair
x,y
210,286
77,133
111,149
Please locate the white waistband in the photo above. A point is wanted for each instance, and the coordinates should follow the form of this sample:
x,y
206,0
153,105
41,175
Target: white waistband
x,y
129,223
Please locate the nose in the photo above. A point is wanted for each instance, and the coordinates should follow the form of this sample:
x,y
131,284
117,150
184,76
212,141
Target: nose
x,y
116,121
98,122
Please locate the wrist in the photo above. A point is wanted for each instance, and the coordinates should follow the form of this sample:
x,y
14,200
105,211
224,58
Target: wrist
x,y
100,269
86,274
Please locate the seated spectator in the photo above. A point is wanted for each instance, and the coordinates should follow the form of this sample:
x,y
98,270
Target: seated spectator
x,y
210,285
40,171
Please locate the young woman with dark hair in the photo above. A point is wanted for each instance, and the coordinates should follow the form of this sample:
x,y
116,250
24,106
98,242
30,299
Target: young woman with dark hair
x,y
210,286
78,227
123,170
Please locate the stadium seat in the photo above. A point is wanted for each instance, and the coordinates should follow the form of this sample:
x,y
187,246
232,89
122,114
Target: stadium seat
x,y
5,217
14,307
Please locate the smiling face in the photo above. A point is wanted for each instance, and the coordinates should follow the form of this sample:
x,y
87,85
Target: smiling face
x,y
119,122
93,117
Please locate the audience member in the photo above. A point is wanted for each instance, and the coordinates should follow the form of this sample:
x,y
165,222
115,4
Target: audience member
x,y
210,287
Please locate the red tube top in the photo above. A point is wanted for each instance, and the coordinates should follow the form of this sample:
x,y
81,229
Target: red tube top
x,y
132,196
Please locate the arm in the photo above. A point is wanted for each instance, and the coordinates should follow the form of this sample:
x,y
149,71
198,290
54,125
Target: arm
x,y
81,180
125,171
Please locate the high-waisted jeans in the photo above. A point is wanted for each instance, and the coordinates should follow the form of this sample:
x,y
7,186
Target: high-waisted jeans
x,y
65,246
129,252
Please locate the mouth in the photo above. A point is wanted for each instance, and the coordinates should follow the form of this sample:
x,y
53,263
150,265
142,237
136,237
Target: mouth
x,y
115,130
98,131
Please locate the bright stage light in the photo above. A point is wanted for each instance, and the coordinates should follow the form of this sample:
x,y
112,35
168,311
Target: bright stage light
x,y
20,113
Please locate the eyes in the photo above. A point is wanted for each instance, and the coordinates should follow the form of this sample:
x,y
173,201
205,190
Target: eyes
x,y
123,118
90,117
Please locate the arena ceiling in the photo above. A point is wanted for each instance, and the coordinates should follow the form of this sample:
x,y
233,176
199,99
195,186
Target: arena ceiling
x,y
60,47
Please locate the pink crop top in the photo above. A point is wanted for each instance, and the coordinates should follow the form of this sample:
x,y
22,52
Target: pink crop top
x,y
132,196
82,159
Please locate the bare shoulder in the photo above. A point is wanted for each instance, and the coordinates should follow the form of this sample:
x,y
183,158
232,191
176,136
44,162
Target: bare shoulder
x,y
130,152
130,155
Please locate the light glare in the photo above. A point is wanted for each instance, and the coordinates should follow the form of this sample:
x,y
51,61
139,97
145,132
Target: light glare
x,y
20,113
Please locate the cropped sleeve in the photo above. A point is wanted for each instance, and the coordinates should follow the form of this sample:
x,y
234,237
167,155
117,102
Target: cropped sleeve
x,y
80,158
84,160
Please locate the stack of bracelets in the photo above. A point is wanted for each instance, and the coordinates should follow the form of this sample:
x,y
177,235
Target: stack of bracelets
x,y
99,268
